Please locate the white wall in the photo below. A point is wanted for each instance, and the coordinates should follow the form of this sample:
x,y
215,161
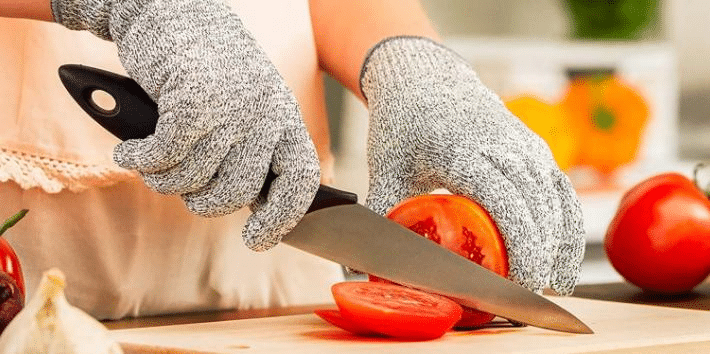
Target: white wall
x,y
685,23
688,28
540,18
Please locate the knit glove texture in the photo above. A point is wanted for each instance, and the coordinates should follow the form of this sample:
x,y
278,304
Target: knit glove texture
x,y
434,125
226,114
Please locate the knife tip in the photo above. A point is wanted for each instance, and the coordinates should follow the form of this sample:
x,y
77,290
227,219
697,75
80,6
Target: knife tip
x,y
585,330
563,322
578,327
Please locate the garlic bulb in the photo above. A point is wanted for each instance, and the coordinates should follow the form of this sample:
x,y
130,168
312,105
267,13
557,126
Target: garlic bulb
x,y
49,324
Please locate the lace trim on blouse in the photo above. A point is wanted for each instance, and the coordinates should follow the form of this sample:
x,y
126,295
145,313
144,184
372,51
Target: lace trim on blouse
x,y
53,175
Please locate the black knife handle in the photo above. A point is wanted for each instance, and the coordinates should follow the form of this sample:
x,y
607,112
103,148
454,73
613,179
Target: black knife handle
x,y
135,115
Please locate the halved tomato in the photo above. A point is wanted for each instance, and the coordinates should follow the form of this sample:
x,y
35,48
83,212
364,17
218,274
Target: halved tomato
x,y
462,226
396,311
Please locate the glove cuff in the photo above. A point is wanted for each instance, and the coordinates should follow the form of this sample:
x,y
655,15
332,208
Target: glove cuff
x,y
394,60
106,19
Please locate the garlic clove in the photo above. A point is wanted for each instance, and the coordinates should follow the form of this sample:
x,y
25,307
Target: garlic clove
x,y
49,324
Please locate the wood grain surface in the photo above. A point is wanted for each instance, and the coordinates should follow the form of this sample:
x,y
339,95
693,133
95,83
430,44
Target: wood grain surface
x,y
130,348
619,328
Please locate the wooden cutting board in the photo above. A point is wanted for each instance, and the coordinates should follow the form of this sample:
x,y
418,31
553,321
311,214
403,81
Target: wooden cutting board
x,y
619,328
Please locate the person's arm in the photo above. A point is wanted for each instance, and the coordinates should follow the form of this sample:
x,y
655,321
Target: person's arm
x,y
345,30
30,9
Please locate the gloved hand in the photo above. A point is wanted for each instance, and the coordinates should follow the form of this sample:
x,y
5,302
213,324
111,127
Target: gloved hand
x,y
225,112
433,124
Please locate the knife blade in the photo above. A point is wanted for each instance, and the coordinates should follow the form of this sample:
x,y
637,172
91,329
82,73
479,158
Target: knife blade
x,y
339,229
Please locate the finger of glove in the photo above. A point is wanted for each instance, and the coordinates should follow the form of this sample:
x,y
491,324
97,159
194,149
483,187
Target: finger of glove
x,y
532,182
532,178
238,179
169,145
569,257
199,166
386,191
298,176
479,180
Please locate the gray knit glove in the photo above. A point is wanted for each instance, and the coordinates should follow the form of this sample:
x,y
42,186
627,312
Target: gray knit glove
x,y
433,124
226,114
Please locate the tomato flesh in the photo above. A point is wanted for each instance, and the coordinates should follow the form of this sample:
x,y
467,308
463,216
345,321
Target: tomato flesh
x,y
396,311
335,318
470,318
462,226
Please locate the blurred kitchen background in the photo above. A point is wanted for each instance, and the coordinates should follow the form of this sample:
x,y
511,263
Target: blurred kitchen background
x,y
552,61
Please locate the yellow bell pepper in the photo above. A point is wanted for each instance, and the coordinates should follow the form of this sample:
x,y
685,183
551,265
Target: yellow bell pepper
x,y
610,117
549,122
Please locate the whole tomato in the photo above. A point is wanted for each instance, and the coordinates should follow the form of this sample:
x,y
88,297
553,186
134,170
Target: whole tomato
x,y
659,238
9,262
462,226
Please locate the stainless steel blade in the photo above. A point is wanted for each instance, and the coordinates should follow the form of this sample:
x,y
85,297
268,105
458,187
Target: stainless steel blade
x,y
355,236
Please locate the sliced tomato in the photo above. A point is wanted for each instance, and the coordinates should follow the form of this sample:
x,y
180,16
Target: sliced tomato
x,y
375,278
335,318
470,318
462,226
457,223
396,311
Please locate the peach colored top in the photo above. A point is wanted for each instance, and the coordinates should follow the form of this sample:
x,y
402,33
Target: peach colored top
x,y
128,251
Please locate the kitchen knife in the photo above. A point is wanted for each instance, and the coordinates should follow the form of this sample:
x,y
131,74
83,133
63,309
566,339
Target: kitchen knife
x,y
338,229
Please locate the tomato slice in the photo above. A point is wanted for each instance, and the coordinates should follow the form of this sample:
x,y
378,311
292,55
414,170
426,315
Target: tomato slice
x,y
457,223
396,311
335,318
462,226
472,318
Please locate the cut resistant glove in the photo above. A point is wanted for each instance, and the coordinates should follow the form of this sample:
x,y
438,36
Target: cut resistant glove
x,y
226,114
433,125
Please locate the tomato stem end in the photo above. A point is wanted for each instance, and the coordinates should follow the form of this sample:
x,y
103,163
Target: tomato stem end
x,y
12,220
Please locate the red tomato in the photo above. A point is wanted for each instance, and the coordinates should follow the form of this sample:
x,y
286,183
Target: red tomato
x,y
659,238
462,226
396,311
335,318
9,262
